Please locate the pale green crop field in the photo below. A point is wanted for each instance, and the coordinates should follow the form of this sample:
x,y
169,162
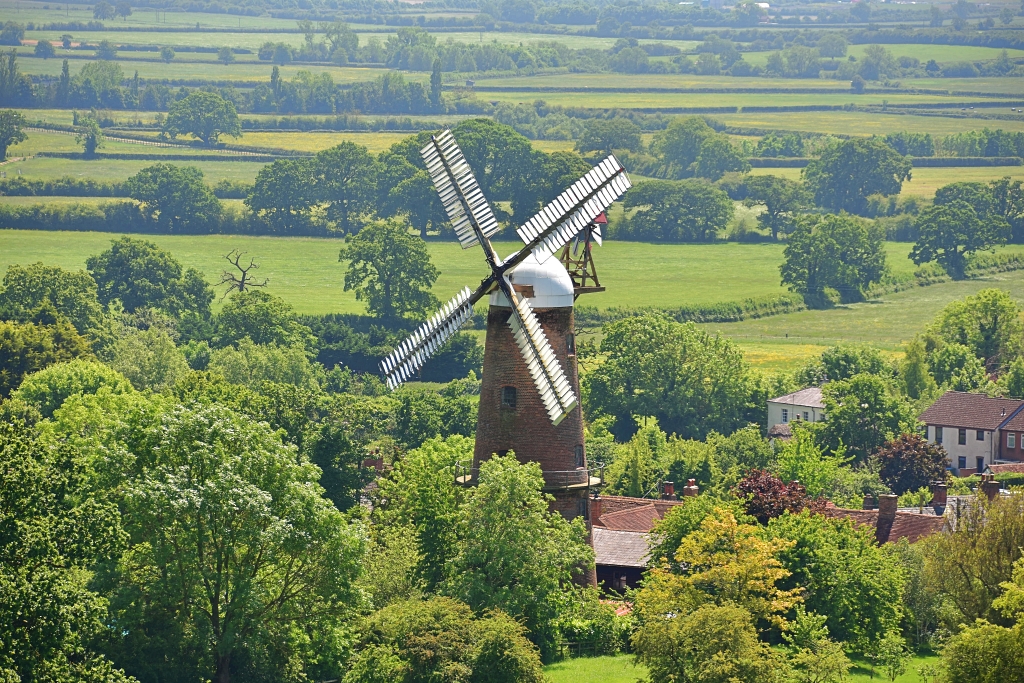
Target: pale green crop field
x,y
108,170
629,81
314,141
866,123
940,53
924,181
645,100
60,142
246,40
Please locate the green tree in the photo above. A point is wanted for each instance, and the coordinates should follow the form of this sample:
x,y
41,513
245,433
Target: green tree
x,y
166,54
832,45
148,359
847,173
262,318
988,323
423,495
692,382
235,555
892,655
54,530
12,33
44,49
711,644
435,84
717,157
139,274
950,233
105,51
831,252
816,659
89,135
955,366
252,364
441,639
843,576
915,373
676,211
176,197
205,115
283,195
32,346
512,553
801,459
49,388
967,565
864,412
984,653
390,270
345,184
124,9
72,294
225,55
11,133
843,361
605,135
781,198
690,147
103,10
682,520
1012,381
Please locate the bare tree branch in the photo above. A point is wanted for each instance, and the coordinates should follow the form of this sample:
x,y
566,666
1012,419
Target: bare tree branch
x,y
242,280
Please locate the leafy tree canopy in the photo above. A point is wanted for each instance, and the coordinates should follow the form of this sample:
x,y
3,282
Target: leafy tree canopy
x,y
676,211
864,412
262,318
988,323
390,270
11,133
29,347
49,388
72,294
847,173
205,115
605,135
911,462
176,196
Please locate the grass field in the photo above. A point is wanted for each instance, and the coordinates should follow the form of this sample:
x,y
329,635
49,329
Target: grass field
x,y
621,669
115,169
940,53
39,141
314,141
924,181
866,123
647,100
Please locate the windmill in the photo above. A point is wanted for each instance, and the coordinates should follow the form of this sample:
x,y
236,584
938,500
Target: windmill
x,y
528,400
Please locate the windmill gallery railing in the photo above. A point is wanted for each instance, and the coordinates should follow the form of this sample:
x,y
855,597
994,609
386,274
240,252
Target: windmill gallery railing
x,y
591,476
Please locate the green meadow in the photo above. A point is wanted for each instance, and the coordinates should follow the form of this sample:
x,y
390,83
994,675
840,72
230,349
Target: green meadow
x,y
870,123
925,180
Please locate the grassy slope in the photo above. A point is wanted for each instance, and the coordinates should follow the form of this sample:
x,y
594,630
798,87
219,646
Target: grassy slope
x,y
649,100
620,669
113,169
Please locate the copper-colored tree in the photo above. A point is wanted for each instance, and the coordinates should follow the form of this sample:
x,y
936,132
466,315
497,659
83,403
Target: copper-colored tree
x,y
241,281
768,497
909,462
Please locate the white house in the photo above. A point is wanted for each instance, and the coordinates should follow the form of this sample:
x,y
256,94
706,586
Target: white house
x,y
976,430
805,405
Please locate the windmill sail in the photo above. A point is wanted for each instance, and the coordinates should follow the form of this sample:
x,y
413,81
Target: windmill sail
x,y
572,211
463,201
411,354
552,385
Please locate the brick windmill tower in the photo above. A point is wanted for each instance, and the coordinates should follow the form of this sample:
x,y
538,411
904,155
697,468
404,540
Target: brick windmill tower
x,y
530,385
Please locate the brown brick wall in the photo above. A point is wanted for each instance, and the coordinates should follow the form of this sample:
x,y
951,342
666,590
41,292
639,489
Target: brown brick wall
x,y
527,429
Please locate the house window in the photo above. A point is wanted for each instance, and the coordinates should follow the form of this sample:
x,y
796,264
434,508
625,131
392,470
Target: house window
x,y
570,344
938,435
980,435
579,455
807,415
508,397
785,416
980,462
1011,440
961,437
961,462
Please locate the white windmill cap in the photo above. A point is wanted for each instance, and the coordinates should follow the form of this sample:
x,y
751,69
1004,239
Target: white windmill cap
x,y
552,286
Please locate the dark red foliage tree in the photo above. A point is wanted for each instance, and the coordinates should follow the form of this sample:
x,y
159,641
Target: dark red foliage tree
x,y
909,462
768,497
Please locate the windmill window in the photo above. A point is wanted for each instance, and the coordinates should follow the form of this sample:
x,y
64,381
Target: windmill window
x,y
508,397
570,344
579,455
582,509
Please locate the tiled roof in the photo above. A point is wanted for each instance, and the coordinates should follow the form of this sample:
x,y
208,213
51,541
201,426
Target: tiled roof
x,y
616,503
912,526
620,548
974,411
639,519
1006,468
1016,422
810,397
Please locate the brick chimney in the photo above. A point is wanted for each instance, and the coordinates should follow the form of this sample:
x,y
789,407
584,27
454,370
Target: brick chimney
x,y
595,510
691,488
939,491
989,486
887,503
668,490
869,502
